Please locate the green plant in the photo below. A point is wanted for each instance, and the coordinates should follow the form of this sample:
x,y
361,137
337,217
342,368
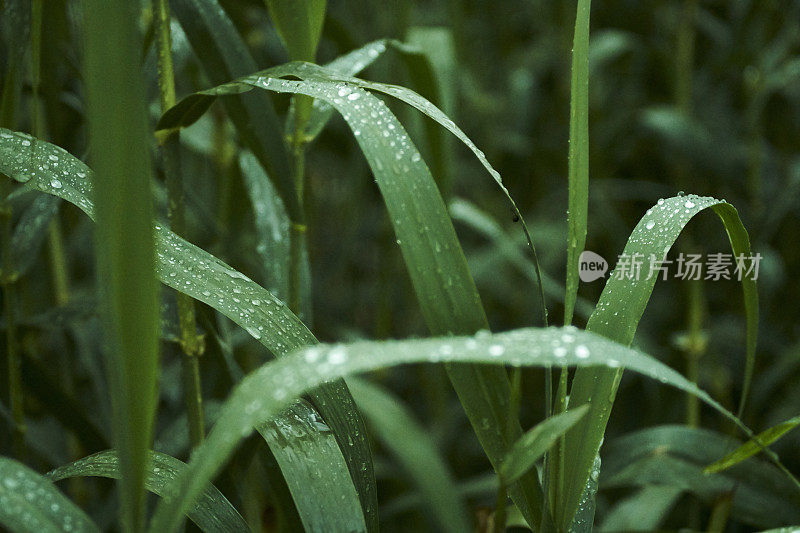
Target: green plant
x,y
237,353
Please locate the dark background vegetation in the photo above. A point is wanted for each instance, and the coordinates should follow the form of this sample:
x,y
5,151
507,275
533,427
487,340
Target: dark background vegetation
x,y
730,129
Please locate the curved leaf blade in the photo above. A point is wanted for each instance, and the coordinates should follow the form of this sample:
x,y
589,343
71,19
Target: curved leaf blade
x,y
188,110
31,503
268,390
536,441
617,316
753,446
191,270
326,501
436,264
212,512
675,456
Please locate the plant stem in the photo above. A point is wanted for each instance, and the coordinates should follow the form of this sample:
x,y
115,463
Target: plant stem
x,y
191,343
298,231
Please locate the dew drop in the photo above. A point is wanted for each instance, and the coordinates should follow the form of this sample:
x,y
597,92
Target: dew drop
x,y
496,350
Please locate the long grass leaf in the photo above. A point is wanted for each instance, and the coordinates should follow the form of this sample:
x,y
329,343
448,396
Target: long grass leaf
x,y
326,500
271,226
223,55
676,455
212,512
190,270
416,452
32,504
536,441
192,107
445,289
754,446
617,316
268,390
118,135
578,155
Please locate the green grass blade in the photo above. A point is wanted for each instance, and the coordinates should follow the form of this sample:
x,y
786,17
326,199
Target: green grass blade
x,y
190,270
299,24
617,315
536,441
348,64
578,155
676,455
212,512
224,56
326,501
118,135
444,287
271,226
31,231
268,390
415,451
32,504
754,446
189,109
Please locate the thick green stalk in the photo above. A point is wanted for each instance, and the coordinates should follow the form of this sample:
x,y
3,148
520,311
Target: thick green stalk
x,y
118,133
297,236
191,343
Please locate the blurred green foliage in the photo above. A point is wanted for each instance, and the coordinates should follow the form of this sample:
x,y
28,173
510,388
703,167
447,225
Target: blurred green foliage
x,y
725,123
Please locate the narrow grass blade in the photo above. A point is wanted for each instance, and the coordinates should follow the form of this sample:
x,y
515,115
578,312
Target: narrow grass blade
x,y
617,315
676,455
536,441
415,451
326,500
32,504
118,134
212,512
578,155
444,287
754,446
31,231
268,390
192,107
299,24
223,55
190,270
271,225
